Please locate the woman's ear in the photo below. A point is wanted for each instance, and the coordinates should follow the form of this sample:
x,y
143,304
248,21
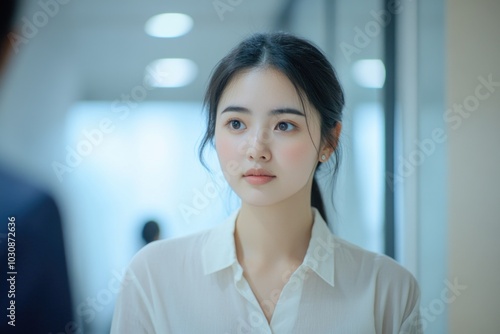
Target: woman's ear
x,y
328,150
336,134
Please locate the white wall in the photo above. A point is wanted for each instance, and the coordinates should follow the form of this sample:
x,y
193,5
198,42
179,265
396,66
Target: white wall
x,y
473,52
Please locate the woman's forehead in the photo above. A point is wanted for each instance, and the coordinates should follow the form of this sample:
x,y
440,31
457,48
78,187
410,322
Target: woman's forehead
x,y
262,89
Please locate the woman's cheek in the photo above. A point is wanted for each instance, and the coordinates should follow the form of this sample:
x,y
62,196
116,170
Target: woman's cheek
x,y
223,147
227,152
297,154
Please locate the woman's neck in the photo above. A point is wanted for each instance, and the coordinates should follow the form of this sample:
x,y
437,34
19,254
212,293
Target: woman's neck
x,y
270,234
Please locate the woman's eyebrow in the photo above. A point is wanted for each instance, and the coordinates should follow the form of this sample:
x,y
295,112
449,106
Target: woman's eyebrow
x,y
286,111
236,109
273,112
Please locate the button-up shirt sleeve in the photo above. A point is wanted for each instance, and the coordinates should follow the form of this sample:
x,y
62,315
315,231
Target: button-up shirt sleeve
x,y
133,311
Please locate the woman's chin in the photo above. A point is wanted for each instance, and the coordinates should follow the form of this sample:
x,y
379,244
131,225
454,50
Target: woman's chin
x,y
257,200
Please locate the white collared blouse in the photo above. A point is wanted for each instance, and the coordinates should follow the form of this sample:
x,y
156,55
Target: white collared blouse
x,y
194,284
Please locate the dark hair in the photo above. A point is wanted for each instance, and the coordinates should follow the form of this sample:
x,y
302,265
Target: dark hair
x,y
150,231
305,66
7,12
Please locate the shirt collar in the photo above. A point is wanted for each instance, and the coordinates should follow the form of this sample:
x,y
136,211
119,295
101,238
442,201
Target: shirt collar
x,y
320,252
219,251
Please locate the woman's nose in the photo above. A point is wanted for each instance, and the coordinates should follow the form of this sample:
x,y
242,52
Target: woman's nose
x,y
258,147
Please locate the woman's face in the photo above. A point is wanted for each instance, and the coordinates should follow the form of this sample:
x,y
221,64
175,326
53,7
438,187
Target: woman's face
x,y
261,124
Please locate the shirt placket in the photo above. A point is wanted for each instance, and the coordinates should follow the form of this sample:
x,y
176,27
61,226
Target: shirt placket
x,y
286,311
255,320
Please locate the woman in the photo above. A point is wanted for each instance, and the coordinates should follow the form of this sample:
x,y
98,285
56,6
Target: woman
x,y
274,116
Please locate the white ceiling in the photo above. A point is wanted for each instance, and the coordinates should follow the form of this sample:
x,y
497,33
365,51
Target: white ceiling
x,y
104,46
111,49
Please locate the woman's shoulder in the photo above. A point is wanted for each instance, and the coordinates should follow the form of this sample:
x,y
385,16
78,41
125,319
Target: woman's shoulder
x,y
395,290
167,254
175,246
370,264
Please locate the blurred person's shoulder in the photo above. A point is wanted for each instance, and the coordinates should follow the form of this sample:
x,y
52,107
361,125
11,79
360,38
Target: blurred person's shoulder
x,y
20,197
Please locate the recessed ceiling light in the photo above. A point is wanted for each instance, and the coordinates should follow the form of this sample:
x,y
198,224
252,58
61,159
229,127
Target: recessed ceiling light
x,y
369,73
169,25
171,72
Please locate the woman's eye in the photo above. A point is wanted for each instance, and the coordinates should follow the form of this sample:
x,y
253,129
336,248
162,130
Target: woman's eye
x,y
285,126
235,124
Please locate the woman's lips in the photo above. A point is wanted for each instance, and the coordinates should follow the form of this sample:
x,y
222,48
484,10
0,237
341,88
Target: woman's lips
x,y
259,180
258,176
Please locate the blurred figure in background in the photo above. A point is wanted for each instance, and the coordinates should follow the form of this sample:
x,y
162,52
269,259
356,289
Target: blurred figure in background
x,y
34,282
150,231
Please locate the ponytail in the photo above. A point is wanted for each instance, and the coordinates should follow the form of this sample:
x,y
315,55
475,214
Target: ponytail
x,y
317,200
